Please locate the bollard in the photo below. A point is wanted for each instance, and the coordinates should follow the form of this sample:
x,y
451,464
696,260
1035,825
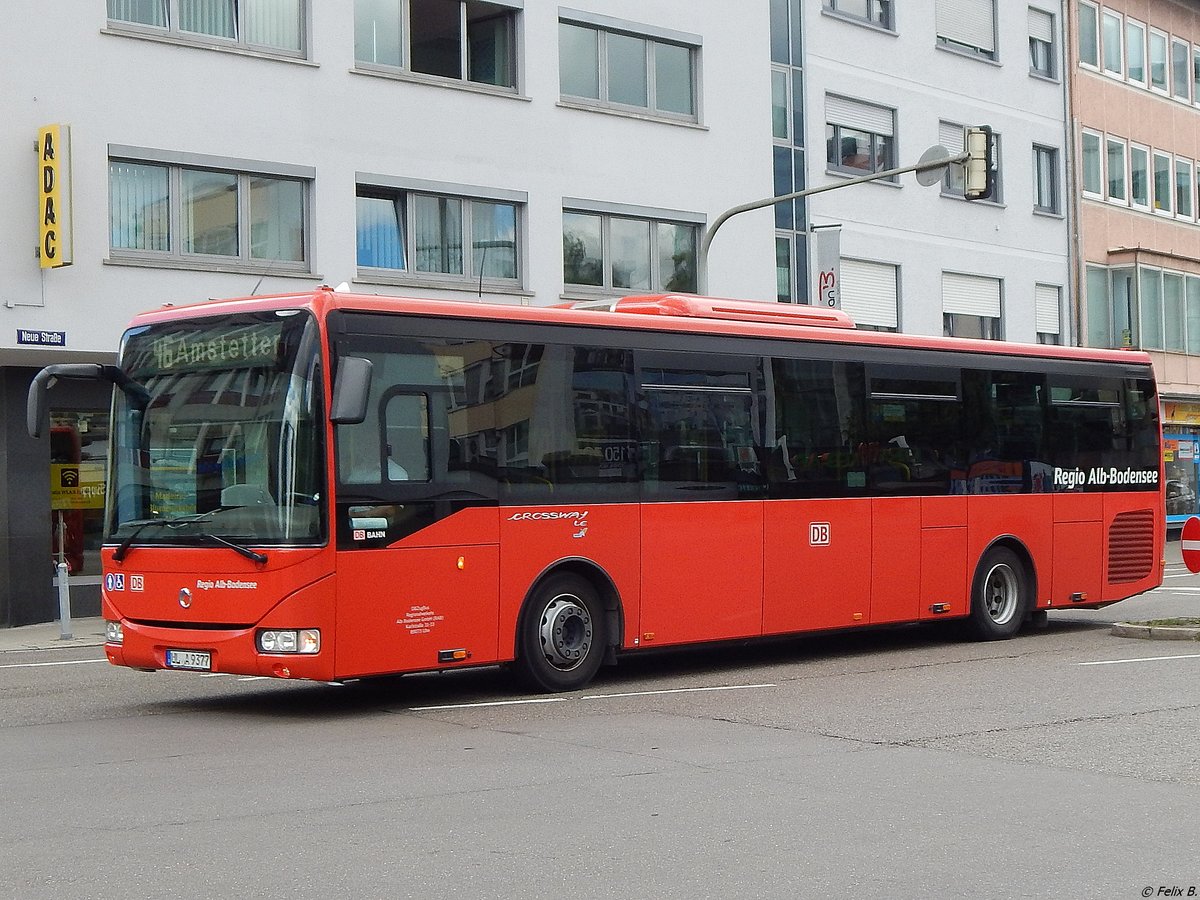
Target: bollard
x,y
64,602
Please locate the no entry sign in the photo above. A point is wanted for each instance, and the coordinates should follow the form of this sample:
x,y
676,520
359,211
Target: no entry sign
x,y
1190,542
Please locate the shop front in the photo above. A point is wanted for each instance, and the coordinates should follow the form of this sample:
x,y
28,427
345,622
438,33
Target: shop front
x,y
1181,460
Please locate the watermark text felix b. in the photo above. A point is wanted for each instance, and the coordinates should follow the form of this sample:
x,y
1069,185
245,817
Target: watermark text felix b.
x,y
1171,890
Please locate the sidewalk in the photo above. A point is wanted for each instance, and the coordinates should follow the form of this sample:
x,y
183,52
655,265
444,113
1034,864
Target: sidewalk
x,y
87,632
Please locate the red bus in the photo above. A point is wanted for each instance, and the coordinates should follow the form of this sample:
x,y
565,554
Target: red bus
x,y
329,486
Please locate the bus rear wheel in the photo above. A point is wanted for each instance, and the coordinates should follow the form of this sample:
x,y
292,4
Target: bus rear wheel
x,y
999,596
563,635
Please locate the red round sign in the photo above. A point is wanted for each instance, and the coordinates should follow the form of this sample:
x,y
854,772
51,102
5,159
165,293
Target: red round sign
x,y
1189,541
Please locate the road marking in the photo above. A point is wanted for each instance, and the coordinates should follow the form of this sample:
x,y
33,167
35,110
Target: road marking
x,y
1117,662
726,687
69,662
490,703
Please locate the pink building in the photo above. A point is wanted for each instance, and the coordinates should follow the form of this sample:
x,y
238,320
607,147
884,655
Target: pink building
x,y
1135,116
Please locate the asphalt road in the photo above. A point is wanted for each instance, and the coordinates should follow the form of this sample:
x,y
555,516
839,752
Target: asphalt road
x,y
905,763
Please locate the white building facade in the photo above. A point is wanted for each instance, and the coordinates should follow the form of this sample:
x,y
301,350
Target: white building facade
x,y
881,83
514,152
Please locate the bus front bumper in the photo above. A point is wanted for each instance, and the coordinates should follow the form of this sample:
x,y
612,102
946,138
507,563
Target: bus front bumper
x,y
138,645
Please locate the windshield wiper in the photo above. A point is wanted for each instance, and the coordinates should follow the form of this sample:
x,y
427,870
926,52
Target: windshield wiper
x,y
159,522
237,548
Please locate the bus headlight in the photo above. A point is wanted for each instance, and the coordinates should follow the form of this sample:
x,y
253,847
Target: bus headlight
x,y
113,633
307,640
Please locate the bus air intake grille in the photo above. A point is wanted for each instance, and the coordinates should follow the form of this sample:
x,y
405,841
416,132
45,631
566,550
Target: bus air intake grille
x,y
1131,546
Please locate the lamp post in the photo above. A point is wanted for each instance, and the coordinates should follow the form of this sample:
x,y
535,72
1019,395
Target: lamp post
x,y
930,161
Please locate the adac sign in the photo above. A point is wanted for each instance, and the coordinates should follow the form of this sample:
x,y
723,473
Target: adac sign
x,y
54,196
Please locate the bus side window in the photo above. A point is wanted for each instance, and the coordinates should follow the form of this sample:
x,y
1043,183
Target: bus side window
x,y
699,432
406,434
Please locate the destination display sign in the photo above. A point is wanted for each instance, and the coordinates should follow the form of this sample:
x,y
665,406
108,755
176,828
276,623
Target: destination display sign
x,y
201,346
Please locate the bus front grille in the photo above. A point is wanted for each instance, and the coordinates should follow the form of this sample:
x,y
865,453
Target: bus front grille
x,y
1131,546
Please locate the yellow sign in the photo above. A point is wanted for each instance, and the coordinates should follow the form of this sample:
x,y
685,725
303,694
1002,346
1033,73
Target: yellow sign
x,y
54,196
76,486
1182,413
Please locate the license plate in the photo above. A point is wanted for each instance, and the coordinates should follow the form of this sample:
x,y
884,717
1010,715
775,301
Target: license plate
x,y
199,660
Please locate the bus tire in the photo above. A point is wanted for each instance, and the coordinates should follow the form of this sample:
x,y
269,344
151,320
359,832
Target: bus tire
x,y
564,635
999,596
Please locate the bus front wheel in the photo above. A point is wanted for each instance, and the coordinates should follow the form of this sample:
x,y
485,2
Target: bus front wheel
x,y
999,596
563,635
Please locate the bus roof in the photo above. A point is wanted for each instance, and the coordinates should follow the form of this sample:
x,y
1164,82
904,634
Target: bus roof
x,y
653,312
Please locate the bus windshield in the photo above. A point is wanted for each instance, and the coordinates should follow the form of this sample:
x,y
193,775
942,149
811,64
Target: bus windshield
x,y
228,444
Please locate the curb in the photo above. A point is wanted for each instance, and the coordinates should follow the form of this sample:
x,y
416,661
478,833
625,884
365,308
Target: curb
x,y
1155,632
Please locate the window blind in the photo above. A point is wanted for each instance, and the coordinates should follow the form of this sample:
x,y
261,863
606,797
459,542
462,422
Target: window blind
x,y
1041,25
950,136
1046,308
972,295
969,22
869,293
859,115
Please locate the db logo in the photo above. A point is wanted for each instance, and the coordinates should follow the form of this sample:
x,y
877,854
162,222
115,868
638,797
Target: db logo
x,y
360,534
818,533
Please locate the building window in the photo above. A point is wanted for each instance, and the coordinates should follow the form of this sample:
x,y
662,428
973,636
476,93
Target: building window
x,y
275,26
615,252
784,291
207,217
968,26
467,41
1174,323
971,306
1192,314
1045,179
1099,313
859,137
1047,303
1089,45
1041,43
1163,186
1116,170
950,136
1158,61
1093,166
1184,199
1144,307
1150,308
781,104
876,12
1111,27
1135,51
1139,176
1196,75
870,294
438,237
628,71
1181,76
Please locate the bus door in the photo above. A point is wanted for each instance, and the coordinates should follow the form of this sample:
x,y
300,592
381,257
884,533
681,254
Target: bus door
x,y
915,454
702,492
417,523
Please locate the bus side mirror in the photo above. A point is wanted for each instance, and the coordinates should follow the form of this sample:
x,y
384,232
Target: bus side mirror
x,y
351,390
36,404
